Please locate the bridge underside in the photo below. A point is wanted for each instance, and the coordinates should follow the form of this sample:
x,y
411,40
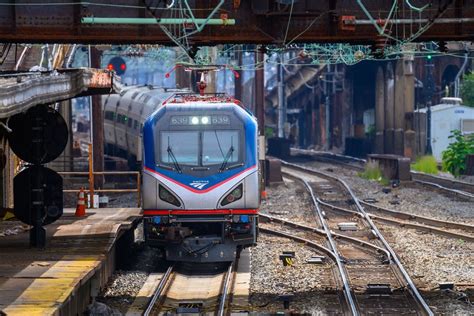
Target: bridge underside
x,y
263,22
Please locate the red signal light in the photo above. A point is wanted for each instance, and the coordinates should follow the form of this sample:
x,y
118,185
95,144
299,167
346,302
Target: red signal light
x,y
118,65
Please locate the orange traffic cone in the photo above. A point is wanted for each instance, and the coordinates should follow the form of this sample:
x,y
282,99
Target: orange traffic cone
x,y
81,205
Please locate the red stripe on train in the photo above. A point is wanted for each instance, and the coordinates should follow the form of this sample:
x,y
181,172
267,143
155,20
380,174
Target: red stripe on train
x,y
201,212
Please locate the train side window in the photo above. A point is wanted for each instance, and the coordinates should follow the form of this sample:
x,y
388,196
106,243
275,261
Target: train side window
x,y
130,122
120,119
136,125
109,115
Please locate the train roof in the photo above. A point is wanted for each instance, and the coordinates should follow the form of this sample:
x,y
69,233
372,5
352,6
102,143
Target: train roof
x,y
213,98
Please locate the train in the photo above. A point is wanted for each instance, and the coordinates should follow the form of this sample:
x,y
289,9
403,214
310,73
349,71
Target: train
x,y
200,170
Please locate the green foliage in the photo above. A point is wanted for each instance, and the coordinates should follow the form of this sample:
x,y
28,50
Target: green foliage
x,y
426,164
467,90
371,132
372,172
269,132
454,157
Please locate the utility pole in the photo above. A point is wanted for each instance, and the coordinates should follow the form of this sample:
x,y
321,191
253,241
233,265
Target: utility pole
x,y
429,95
281,97
238,79
97,119
259,108
259,91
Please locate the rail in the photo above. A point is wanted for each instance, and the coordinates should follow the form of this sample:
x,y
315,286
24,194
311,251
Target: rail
x,y
159,291
454,186
355,241
225,290
406,276
332,243
454,191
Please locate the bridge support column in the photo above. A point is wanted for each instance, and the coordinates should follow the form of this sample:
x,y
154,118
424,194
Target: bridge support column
x,y
389,110
379,111
399,110
404,139
409,87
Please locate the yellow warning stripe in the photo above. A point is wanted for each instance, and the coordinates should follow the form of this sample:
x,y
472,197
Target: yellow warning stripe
x,y
53,288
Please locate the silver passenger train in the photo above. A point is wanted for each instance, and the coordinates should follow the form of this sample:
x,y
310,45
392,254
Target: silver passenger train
x,y
200,169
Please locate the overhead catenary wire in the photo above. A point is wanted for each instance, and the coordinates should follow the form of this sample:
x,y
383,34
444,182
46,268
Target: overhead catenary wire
x,y
289,22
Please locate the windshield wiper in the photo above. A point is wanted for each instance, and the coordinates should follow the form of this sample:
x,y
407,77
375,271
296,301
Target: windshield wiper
x,y
226,159
175,161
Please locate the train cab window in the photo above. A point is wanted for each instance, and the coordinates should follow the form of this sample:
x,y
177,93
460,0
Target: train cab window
x,y
219,146
179,147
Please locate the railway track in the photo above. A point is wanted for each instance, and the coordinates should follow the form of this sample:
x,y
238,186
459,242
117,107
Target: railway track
x,y
392,217
435,226
454,187
203,292
373,284
332,279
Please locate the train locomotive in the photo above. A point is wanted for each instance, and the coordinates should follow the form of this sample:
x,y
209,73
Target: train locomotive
x,y
200,187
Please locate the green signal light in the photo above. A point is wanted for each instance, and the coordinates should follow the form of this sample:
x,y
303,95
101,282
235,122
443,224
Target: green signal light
x,y
429,57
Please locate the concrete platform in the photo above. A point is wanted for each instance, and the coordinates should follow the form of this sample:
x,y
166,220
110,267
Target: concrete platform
x,y
78,260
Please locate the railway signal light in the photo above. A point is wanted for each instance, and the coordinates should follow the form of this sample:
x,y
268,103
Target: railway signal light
x,y
38,136
118,65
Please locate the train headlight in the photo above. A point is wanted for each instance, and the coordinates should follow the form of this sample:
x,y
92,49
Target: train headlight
x,y
205,120
195,120
234,195
167,196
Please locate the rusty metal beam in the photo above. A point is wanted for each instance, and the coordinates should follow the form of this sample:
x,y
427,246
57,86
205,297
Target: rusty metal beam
x,y
260,22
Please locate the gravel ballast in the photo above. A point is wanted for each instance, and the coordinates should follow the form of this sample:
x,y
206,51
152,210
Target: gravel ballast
x,y
312,285
408,197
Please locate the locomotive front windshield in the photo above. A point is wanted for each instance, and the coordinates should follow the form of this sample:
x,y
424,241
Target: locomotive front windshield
x,y
182,147
200,148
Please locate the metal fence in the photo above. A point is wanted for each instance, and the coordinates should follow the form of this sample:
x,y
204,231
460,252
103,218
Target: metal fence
x,y
91,177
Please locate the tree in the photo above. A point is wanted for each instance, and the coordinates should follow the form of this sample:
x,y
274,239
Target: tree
x,y
467,90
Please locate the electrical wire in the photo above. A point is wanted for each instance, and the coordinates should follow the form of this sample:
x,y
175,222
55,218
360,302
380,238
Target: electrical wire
x,y
289,21
310,25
